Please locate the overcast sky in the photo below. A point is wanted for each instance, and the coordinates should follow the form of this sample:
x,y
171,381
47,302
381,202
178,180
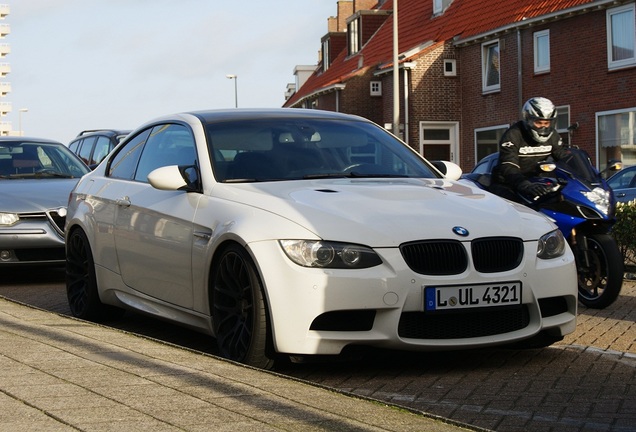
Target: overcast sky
x,y
89,64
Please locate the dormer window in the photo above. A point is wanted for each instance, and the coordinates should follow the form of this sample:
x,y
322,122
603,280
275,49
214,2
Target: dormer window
x,y
325,54
353,35
439,6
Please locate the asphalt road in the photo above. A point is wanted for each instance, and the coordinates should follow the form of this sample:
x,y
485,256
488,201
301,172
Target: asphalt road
x,y
587,382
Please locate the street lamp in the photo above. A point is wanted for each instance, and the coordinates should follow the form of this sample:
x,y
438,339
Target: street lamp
x,y
235,78
20,111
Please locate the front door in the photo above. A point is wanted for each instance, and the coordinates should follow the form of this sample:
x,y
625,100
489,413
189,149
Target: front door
x,y
439,141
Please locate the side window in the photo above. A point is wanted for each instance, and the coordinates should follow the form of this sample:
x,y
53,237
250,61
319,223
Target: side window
x,y
85,150
102,148
125,161
170,144
73,146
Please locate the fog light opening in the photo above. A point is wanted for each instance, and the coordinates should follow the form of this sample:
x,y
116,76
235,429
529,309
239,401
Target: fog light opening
x,y
6,255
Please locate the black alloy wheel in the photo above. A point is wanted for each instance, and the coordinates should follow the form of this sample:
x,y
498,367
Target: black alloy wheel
x,y
599,282
238,309
81,282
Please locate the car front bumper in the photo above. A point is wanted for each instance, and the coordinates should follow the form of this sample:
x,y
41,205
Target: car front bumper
x,y
321,311
34,240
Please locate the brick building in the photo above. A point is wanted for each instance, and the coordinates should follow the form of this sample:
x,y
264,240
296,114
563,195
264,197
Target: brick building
x,y
464,73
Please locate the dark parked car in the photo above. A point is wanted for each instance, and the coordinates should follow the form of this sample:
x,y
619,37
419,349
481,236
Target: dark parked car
x,y
93,145
623,183
36,178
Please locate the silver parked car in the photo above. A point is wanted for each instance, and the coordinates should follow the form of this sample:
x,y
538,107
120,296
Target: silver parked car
x,y
36,177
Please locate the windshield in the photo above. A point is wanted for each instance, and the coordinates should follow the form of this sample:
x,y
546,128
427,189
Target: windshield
x,y
578,162
293,149
38,160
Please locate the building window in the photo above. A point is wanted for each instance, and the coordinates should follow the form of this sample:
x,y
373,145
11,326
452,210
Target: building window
x,y
616,136
376,88
563,123
621,35
325,55
437,6
542,51
450,67
353,33
490,66
487,140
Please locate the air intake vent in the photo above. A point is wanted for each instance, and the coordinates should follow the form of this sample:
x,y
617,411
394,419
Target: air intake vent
x,y
497,254
435,257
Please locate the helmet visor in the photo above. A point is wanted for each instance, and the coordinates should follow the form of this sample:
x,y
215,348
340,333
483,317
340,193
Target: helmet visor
x,y
543,127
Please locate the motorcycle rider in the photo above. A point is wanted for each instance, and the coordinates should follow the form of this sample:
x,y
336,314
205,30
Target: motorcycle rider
x,y
528,141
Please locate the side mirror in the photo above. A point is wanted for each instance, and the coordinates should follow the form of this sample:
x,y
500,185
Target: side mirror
x,y
450,170
174,177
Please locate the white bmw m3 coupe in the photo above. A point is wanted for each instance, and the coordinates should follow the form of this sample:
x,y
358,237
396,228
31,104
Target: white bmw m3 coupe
x,y
301,232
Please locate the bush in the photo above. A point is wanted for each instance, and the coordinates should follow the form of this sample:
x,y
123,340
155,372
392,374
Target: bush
x,y
624,231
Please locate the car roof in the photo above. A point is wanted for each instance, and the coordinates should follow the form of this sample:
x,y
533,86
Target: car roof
x,y
25,139
109,132
211,116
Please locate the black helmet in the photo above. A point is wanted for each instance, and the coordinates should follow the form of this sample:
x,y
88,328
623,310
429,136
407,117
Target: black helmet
x,y
539,108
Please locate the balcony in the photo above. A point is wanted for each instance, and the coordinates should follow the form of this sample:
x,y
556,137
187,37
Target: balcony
x,y
5,127
4,10
5,49
5,88
5,69
5,29
5,108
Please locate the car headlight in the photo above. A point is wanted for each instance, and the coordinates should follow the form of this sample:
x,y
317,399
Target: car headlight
x,y
8,219
551,245
600,197
328,254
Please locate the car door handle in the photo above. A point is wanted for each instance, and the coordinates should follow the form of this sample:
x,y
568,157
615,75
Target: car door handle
x,y
123,202
620,194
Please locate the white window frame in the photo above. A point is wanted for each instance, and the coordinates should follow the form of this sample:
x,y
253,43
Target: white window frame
x,y
452,142
627,134
629,33
375,88
541,53
325,55
453,67
476,132
485,66
438,6
353,36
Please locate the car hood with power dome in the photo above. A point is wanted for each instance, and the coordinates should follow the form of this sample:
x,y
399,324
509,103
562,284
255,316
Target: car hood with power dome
x,y
382,212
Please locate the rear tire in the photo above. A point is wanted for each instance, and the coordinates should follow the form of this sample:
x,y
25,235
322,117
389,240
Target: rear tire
x,y
81,282
238,309
599,283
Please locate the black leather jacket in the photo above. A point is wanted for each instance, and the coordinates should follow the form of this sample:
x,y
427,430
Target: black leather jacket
x,y
519,154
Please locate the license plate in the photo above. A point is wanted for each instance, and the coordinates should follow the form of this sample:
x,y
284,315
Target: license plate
x,y
472,296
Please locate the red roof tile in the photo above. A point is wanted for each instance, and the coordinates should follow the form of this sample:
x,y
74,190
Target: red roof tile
x,y
417,26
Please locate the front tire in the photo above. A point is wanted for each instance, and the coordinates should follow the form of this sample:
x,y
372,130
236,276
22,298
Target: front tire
x,y
238,309
600,278
81,282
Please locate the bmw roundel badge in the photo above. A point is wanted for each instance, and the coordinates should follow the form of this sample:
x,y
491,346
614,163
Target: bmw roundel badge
x,y
460,231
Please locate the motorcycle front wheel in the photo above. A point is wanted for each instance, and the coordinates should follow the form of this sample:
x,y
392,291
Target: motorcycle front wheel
x,y
600,276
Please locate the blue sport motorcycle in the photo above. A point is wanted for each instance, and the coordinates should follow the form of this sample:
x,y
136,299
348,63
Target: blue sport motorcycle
x,y
583,207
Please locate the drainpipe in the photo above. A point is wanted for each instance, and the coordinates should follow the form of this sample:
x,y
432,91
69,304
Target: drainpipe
x,y
519,72
406,105
396,76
